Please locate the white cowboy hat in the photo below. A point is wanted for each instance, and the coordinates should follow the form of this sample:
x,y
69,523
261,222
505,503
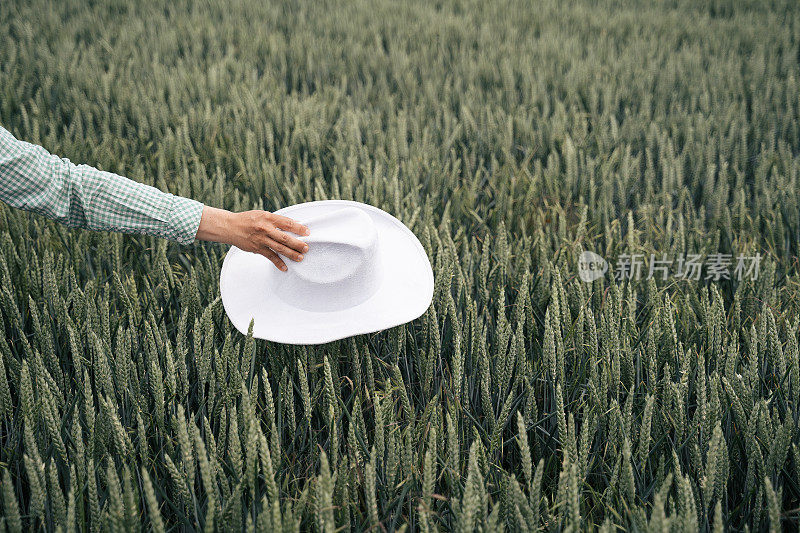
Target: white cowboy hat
x,y
364,271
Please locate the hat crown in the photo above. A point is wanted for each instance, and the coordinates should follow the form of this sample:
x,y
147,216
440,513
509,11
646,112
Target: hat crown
x,y
341,268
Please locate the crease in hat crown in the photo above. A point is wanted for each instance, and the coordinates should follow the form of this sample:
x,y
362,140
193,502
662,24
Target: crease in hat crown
x,y
342,267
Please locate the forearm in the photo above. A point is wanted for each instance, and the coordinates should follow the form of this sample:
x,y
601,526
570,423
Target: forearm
x,y
81,196
111,202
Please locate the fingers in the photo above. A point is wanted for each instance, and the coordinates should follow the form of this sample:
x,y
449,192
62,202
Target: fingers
x,y
287,224
276,260
287,242
267,230
284,250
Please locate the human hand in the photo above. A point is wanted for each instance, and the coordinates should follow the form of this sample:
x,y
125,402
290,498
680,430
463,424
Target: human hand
x,y
255,231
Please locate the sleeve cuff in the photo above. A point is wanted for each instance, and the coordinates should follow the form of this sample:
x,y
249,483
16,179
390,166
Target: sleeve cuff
x,y
184,219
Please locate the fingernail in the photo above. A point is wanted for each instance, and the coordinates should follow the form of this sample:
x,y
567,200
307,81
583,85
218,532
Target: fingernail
x,y
299,257
307,232
305,248
283,267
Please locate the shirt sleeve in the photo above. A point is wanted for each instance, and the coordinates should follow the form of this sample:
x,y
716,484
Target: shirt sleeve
x,y
35,180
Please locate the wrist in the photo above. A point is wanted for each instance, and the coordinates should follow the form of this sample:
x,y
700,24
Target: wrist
x,y
217,225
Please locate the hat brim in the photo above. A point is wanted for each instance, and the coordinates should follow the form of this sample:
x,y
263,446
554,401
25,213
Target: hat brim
x,y
405,293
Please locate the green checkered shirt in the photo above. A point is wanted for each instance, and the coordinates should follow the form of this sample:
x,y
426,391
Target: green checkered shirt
x,y
81,196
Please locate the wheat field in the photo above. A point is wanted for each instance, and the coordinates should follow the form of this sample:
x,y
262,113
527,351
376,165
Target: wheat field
x,y
509,137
